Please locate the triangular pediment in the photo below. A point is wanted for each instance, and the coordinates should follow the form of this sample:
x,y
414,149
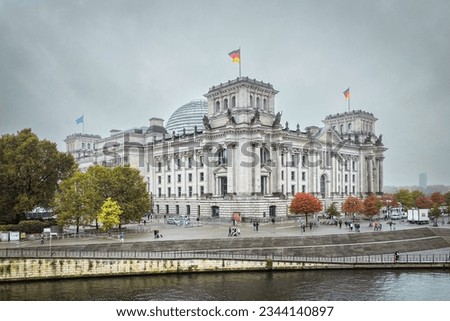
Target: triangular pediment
x,y
323,135
221,169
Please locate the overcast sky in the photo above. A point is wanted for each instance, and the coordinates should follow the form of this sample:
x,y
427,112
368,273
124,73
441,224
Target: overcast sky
x,y
121,62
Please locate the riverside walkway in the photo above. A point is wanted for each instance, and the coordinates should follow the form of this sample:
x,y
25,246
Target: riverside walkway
x,y
280,241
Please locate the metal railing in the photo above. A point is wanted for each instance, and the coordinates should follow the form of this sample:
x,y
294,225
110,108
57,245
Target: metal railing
x,y
41,252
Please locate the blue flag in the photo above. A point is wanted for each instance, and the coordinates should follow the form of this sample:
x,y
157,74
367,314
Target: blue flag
x,y
80,120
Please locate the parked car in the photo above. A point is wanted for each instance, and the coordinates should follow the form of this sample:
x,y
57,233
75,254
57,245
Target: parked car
x,y
172,220
396,216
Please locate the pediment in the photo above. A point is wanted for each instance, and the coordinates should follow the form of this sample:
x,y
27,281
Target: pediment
x,y
324,131
220,170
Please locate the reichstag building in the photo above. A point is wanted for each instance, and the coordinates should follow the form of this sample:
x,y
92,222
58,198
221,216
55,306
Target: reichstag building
x,y
232,156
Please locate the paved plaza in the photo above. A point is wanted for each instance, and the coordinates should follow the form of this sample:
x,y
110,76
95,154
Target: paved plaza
x,y
215,230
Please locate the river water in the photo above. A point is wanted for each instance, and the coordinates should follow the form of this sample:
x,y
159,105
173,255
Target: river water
x,y
329,285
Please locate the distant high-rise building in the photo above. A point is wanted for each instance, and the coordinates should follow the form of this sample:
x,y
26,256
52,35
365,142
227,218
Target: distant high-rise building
x,y
423,180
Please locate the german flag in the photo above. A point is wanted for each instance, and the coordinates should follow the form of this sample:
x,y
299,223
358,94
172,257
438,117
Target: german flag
x,y
235,55
347,93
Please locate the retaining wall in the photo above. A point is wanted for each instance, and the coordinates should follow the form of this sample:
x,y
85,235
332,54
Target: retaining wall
x,y
18,269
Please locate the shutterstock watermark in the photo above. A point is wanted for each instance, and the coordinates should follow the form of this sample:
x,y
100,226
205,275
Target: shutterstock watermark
x,y
189,152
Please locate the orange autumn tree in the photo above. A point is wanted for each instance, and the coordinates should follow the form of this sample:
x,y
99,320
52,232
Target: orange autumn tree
x,y
372,205
352,205
305,203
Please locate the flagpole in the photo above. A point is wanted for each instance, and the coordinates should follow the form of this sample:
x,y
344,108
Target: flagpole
x,y
83,124
240,58
349,95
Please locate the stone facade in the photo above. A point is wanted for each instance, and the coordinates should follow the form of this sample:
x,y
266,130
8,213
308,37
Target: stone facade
x,y
245,163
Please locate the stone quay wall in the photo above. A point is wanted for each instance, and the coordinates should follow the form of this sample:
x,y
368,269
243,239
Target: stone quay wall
x,y
25,269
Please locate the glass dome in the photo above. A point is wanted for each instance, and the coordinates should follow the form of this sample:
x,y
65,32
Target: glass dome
x,y
188,116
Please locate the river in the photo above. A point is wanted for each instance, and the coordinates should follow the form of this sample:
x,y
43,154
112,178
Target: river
x,y
329,285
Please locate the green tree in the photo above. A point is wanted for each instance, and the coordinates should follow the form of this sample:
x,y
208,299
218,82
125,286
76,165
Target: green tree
x,y
75,202
305,203
109,215
435,212
405,198
30,170
332,210
130,191
126,186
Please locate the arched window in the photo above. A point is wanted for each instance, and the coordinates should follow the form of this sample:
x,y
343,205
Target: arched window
x,y
265,106
349,126
251,101
233,101
341,128
258,102
222,156
217,106
323,180
264,155
225,103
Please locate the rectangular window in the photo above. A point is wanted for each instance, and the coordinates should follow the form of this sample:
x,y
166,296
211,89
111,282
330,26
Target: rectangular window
x,y
190,191
353,190
223,185
159,166
201,161
202,177
177,209
292,189
179,191
293,160
293,176
304,188
303,176
189,177
282,159
179,178
202,190
168,179
159,191
157,208
167,209
159,179
282,175
353,178
346,178
190,162
169,191
188,209
178,163
168,165
304,161
354,165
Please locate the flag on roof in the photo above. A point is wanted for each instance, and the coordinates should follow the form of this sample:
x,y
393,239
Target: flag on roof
x,y
347,93
80,120
235,55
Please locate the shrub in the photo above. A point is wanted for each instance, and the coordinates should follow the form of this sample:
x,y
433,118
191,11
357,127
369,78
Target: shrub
x,y
31,226
9,227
